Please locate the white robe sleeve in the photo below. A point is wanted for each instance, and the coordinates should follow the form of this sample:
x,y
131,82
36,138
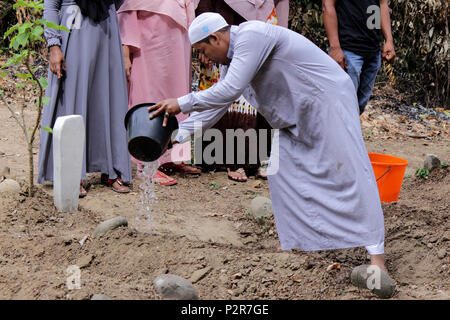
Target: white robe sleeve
x,y
206,119
251,49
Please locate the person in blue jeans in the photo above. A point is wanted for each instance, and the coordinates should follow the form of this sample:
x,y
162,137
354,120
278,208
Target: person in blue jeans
x,y
353,30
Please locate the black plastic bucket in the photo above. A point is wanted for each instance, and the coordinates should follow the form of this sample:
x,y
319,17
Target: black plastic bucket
x,y
147,139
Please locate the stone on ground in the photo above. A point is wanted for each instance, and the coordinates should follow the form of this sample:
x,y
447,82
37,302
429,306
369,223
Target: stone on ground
x,y
9,186
261,206
374,279
85,261
172,287
431,162
108,225
442,253
199,274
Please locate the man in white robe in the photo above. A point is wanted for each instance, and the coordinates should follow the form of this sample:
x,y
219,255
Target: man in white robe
x,y
324,193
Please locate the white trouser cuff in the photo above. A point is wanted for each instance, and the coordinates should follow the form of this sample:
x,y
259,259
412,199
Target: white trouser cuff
x,y
376,248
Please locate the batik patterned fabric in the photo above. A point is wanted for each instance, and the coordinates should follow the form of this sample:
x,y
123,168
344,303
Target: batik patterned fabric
x,y
240,115
208,78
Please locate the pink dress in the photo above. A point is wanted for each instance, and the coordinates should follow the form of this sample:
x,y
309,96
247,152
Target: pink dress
x,y
161,61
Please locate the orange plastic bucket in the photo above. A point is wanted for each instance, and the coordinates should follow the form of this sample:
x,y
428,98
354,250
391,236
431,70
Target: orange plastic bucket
x,y
389,172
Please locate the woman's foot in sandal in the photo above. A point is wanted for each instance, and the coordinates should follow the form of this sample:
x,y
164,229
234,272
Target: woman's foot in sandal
x,y
262,170
182,168
261,173
117,185
238,175
163,179
83,192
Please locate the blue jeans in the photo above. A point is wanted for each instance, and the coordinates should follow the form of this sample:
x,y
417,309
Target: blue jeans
x,y
363,71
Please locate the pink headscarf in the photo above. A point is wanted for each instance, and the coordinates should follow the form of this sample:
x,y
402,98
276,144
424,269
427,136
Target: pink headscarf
x,y
182,11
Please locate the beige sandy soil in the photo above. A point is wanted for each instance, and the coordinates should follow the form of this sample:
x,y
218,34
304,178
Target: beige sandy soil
x,y
199,226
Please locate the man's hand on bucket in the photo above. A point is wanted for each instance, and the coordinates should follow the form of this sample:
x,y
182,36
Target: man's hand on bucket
x,y
169,107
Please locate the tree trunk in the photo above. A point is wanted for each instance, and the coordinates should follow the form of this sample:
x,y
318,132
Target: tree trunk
x,y
31,171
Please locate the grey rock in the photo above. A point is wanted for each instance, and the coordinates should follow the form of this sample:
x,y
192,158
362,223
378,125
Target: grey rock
x,y
108,225
172,287
199,274
431,162
261,206
362,277
85,261
442,253
100,297
9,186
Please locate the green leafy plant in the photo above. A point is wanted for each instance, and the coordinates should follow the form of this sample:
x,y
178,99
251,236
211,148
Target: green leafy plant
x,y
259,219
214,186
23,38
264,222
422,173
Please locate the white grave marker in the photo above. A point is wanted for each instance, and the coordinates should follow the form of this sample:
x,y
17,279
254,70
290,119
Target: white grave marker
x,y
68,150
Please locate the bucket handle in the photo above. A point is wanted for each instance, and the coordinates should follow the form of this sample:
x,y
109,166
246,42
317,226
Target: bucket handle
x,y
389,169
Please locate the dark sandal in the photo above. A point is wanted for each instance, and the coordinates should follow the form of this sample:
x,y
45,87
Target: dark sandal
x,y
82,194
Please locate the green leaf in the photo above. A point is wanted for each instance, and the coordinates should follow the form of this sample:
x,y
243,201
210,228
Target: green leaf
x,y
2,74
23,76
48,129
22,39
10,30
53,25
24,26
20,85
46,100
21,3
37,32
43,82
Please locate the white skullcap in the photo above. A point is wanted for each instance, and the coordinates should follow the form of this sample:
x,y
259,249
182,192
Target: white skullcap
x,y
204,25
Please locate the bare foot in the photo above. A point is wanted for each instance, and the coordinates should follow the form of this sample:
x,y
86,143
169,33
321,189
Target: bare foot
x,y
378,260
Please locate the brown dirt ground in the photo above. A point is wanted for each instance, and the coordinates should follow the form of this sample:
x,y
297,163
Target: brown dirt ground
x,y
197,227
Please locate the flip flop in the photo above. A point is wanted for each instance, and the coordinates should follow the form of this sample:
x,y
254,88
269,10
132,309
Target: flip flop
x,y
82,194
374,279
261,173
182,168
241,172
160,174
